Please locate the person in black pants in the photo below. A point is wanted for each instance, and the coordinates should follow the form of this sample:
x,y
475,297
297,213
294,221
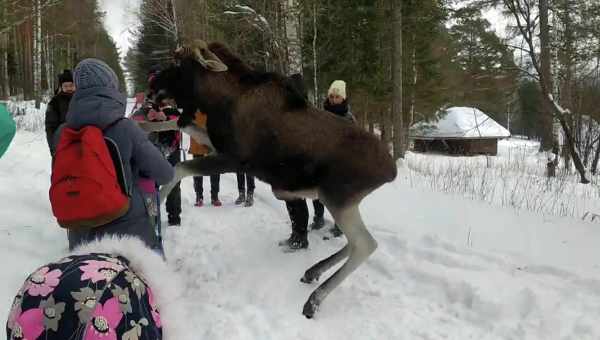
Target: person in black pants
x,y
246,191
168,142
337,104
298,211
174,198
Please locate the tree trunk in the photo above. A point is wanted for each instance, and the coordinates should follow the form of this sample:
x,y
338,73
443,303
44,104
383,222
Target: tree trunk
x,y
397,81
37,53
596,158
5,87
175,23
574,154
4,46
292,32
546,79
546,84
314,48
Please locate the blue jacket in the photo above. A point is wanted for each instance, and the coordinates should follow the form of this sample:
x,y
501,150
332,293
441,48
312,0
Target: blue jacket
x,y
102,107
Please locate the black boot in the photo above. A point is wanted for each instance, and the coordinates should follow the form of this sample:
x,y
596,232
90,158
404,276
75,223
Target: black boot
x,y
318,223
296,241
241,198
174,221
249,200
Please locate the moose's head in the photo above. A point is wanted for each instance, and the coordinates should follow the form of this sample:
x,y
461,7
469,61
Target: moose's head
x,y
195,77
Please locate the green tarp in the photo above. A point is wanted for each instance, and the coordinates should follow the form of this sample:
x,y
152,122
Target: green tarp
x,y
7,129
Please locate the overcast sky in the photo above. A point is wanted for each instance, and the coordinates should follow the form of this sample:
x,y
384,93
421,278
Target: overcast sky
x,y
120,18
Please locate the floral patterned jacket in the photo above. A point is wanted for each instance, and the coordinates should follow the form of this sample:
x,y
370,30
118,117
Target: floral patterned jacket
x,y
87,296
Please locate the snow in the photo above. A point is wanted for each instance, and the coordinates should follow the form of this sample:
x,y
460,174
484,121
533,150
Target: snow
x,y
460,122
447,267
515,178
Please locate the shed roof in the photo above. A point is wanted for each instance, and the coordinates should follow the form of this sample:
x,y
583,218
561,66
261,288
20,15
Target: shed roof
x,y
459,123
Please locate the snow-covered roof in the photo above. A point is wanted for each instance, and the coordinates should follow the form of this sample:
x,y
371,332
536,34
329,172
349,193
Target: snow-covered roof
x,y
460,122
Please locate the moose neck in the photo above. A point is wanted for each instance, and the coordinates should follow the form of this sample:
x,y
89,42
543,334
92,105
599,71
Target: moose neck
x,y
216,95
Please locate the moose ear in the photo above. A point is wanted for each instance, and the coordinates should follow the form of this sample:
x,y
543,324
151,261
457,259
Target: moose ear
x,y
216,66
200,52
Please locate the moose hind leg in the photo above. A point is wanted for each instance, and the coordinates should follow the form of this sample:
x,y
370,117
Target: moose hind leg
x,y
360,246
314,272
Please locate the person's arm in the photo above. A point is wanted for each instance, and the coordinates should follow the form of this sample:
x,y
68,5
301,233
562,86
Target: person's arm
x,y
148,158
52,122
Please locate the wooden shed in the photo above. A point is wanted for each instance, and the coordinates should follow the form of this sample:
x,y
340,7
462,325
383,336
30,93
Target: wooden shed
x,y
459,131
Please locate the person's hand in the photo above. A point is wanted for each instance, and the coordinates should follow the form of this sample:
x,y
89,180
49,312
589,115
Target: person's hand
x,y
154,115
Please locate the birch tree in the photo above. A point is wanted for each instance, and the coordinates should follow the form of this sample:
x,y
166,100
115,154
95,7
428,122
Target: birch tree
x,y
293,40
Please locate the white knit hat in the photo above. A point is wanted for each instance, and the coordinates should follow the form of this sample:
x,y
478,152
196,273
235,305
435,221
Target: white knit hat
x,y
337,87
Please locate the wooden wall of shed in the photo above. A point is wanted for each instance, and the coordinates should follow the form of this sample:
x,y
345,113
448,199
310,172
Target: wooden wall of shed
x,y
458,146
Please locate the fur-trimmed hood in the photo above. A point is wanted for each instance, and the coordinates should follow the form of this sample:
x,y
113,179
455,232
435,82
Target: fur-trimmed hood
x,y
115,288
164,281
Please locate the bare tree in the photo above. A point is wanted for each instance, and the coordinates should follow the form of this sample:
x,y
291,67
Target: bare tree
x,y
163,14
528,24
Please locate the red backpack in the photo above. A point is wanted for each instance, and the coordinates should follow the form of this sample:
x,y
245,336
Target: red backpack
x,y
87,190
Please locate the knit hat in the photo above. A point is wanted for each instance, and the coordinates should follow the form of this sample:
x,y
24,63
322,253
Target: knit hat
x,y
338,87
91,73
65,77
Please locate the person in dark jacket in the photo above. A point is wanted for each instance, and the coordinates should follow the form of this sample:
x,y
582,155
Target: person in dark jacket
x,y
168,142
56,112
98,102
336,103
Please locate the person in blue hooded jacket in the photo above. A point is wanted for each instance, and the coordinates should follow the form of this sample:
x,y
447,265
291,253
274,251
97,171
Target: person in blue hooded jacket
x,y
98,102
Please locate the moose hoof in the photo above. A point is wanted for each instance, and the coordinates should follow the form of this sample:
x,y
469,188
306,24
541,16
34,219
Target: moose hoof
x,y
310,308
309,277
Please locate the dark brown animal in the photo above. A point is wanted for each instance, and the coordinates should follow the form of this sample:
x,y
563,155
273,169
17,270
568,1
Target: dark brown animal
x,y
261,123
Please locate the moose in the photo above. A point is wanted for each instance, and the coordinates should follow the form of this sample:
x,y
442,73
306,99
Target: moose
x,y
261,123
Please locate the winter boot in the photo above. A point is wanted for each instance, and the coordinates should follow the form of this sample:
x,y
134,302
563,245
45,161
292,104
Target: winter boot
x,y
249,200
296,241
318,223
174,221
241,199
336,231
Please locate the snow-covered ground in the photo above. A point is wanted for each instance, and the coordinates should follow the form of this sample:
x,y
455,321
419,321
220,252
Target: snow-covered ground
x,y
447,267
515,178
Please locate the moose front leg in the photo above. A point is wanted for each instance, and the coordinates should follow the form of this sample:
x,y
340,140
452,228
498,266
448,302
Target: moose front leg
x,y
197,133
360,246
203,166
